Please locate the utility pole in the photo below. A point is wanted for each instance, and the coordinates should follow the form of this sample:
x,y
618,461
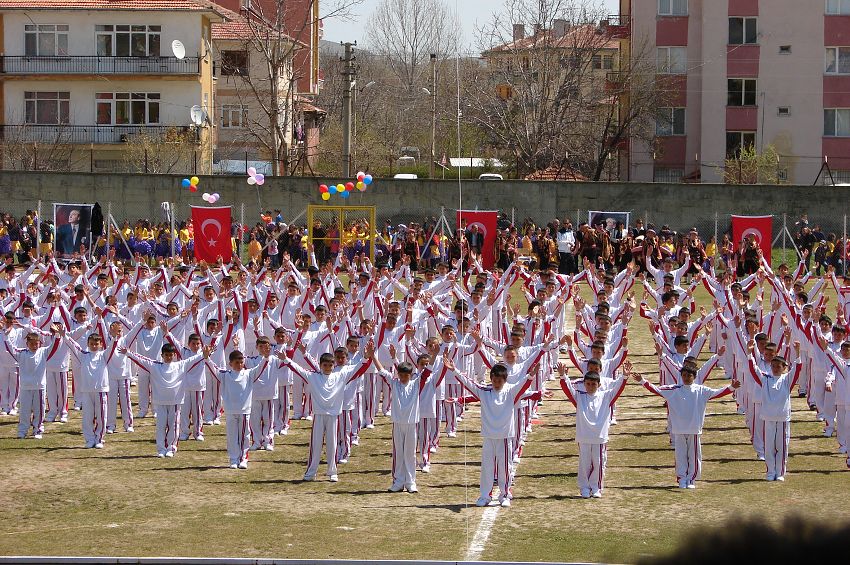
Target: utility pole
x,y
433,114
350,74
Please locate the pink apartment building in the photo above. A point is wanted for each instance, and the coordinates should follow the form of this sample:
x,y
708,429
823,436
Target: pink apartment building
x,y
754,72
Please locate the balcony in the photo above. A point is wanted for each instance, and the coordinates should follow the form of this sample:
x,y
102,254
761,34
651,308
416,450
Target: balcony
x,y
615,81
617,26
64,134
94,65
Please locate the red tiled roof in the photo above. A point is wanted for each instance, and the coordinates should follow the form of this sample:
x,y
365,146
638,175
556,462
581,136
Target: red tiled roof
x,y
141,5
237,27
554,172
306,107
582,36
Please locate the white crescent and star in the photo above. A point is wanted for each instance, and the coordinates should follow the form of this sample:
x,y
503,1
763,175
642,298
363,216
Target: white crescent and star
x,y
752,231
211,222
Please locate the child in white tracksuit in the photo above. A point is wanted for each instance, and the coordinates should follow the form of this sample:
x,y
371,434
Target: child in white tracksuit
x,y
236,386
263,398
32,369
774,388
92,386
498,403
194,386
836,382
118,368
593,418
167,392
686,404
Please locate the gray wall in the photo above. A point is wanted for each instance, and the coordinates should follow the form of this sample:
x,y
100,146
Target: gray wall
x,y
139,196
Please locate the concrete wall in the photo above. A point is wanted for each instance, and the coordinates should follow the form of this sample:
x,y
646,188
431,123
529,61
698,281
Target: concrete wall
x,y
681,206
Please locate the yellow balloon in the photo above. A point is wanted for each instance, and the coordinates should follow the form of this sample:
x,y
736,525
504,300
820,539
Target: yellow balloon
x,y
360,185
195,180
326,196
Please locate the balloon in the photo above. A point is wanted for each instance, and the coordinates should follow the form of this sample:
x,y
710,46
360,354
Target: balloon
x,y
193,188
323,188
360,185
326,196
349,186
345,194
213,199
216,195
252,181
252,171
332,189
360,175
186,183
206,197
195,180
367,180
340,187
260,179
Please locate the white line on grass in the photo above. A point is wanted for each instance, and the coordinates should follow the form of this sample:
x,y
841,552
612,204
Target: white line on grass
x,y
482,534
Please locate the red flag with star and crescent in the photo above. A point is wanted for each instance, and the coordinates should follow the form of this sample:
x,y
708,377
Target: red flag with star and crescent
x,y
759,226
212,233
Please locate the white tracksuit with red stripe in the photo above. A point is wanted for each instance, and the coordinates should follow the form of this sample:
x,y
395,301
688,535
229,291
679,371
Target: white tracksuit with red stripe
x,y
775,393
593,419
33,379
405,416
686,406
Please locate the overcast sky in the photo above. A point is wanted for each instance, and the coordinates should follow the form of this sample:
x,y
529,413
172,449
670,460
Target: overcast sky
x,y
472,13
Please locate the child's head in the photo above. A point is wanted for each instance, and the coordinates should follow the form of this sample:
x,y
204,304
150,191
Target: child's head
x,y
405,370
194,342
340,356
845,350
326,363
352,344
778,365
689,373
510,354
681,344
597,349
168,353
422,361
33,341
264,346
591,381
95,342
236,360
498,376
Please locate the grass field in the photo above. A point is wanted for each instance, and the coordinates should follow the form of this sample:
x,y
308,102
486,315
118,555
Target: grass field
x,y
62,499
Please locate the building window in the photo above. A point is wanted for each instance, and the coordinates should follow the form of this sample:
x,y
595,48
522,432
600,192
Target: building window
x,y
664,174
838,7
742,31
783,111
605,62
127,108
784,49
672,60
234,63
672,122
672,7
127,40
234,116
737,140
45,40
837,61
47,107
742,92
836,122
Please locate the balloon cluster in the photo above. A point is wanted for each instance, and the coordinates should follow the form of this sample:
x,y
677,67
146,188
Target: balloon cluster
x,y
255,178
191,184
210,198
345,190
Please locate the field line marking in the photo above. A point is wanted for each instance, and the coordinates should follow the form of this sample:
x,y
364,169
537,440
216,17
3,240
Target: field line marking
x,y
482,534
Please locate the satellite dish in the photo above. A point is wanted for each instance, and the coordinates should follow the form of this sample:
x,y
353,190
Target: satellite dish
x,y
178,49
197,114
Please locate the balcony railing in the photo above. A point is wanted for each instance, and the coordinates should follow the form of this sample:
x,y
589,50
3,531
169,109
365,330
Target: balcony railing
x,y
87,65
63,134
618,26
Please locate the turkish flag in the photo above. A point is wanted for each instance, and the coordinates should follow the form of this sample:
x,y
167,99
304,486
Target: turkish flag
x,y
759,226
212,233
487,224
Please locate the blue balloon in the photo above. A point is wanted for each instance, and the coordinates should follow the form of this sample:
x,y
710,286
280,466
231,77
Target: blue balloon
x,y
344,194
367,180
186,183
332,188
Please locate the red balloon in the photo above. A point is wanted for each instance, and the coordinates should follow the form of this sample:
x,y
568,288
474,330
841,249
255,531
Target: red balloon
x,y
349,186
193,188
323,187
361,176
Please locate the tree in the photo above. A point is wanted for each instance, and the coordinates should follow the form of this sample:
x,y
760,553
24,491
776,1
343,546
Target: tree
x,y
174,150
749,166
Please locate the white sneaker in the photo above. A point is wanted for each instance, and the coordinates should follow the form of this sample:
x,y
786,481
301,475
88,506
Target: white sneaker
x,y
36,436
200,437
234,466
370,426
691,485
110,431
432,450
505,503
284,431
309,418
334,478
243,465
342,461
483,501
516,459
780,479
597,494
396,488
452,434
130,430
63,420
13,412
683,484
169,454
216,422
269,447
355,441
411,488
98,446
426,469
160,455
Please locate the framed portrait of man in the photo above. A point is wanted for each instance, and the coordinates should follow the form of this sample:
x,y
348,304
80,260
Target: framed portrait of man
x,y
73,228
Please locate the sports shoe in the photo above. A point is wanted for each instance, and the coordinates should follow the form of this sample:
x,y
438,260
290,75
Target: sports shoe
x,y
269,447
13,412
36,436
426,469
234,466
216,422
451,434
309,418
613,421
516,459
396,488
199,437
169,454
334,478
355,441
98,445
110,431
411,488
130,430
827,432
505,503
243,465
343,461
160,455
683,484
781,479
370,426
63,420
597,494
482,501
432,450
691,485
309,477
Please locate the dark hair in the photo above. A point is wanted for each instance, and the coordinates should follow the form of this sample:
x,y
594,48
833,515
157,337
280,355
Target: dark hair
x,y
499,370
405,368
168,348
592,376
326,358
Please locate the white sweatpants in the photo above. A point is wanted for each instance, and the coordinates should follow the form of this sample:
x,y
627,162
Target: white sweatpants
x,y
192,415
842,424
238,431
426,432
452,410
496,462
262,423
757,432
371,390
94,416
212,401
322,431
357,417
688,450
817,390
8,388
302,404
57,395
404,455
343,435
829,408
592,460
281,409
119,396
31,414
167,427
776,438
143,386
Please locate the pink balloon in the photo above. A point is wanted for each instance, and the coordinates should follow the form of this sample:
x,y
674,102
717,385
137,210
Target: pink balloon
x,y
260,178
252,171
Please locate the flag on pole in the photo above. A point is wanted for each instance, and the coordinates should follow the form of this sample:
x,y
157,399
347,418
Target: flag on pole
x,y
759,226
487,226
212,233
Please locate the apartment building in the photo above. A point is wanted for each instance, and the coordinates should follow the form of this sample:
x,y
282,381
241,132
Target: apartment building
x,y
744,73
94,84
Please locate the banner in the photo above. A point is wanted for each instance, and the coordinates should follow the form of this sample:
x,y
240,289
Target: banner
x,y
608,219
73,228
483,238
759,226
212,233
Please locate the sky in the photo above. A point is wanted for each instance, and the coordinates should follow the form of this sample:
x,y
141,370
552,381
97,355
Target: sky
x,y
472,13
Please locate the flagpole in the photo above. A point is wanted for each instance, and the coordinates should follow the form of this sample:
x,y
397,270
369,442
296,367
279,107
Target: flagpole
x,y
173,235
108,226
38,233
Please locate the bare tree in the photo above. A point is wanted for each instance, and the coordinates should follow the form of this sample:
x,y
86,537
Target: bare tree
x,y
174,150
30,147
